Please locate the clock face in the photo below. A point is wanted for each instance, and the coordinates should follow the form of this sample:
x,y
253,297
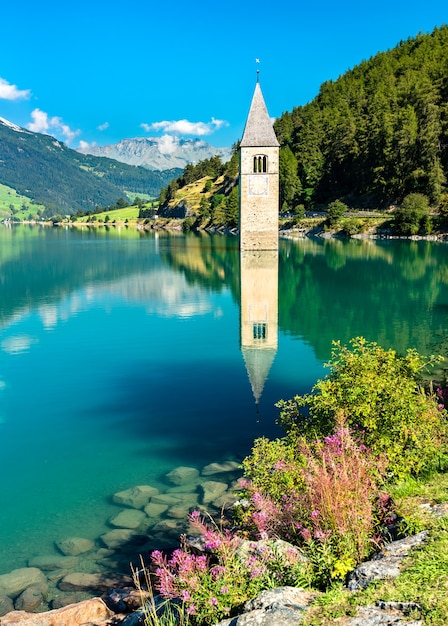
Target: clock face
x,y
258,185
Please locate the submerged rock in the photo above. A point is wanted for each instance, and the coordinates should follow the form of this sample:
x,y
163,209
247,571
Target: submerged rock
x,y
6,604
18,580
135,497
220,468
49,562
129,518
72,546
80,581
118,537
31,598
182,475
211,490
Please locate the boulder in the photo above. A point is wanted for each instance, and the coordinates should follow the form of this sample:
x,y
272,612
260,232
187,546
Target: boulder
x,y
384,564
178,512
6,605
72,546
211,490
65,599
128,518
220,468
81,581
135,497
182,475
284,606
93,612
155,510
18,580
165,498
30,599
118,537
51,562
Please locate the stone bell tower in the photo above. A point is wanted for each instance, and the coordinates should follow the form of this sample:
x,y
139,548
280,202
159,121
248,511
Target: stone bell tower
x,y
259,180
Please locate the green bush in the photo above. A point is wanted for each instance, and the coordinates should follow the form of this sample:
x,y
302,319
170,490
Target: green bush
x,y
412,215
380,393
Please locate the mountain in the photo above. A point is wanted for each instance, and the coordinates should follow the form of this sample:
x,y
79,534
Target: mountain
x,y
63,180
159,153
376,134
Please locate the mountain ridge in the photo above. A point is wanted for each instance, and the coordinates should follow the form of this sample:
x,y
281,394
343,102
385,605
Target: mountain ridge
x,y
158,153
65,181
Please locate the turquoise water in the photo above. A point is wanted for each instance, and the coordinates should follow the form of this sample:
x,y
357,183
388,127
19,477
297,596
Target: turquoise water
x,y
120,357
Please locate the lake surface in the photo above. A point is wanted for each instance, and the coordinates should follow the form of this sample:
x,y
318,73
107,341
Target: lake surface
x,y
125,354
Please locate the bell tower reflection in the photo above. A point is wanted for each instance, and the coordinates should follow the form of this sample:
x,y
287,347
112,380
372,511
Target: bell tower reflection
x,y
258,314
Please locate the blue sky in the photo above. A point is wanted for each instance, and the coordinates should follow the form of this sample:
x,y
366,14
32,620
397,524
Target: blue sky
x,y
93,71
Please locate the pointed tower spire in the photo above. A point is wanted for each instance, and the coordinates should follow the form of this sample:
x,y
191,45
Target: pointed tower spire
x,y
258,131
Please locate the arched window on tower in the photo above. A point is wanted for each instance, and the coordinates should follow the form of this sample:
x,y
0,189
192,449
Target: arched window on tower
x,y
260,164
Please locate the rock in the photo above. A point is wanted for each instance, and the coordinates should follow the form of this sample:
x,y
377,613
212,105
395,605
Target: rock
x,y
178,512
118,537
155,510
220,468
51,562
18,580
80,581
165,498
125,600
284,606
167,526
129,518
30,599
93,612
65,599
211,490
377,616
135,497
182,475
385,564
72,546
6,605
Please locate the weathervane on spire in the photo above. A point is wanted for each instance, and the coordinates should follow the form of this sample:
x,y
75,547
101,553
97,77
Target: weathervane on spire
x,y
258,71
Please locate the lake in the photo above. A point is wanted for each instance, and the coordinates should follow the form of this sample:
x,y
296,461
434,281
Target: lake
x,y
125,354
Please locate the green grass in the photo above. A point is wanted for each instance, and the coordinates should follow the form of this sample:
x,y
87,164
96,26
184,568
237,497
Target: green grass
x,y
13,204
117,215
424,576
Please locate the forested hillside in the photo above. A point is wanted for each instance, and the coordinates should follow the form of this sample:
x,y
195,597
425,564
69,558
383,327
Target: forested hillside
x,y
65,181
376,134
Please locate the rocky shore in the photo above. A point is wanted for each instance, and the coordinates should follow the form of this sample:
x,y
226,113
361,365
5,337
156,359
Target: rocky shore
x,y
146,518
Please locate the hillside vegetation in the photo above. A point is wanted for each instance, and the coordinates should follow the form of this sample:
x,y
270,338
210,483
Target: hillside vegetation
x,y
376,134
64,181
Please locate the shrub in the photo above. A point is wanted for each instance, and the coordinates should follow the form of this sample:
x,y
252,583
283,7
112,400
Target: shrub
x,y
410,216
335,211
380,393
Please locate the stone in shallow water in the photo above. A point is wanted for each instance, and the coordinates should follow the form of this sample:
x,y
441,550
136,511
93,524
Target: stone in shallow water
x,y
135,497
72,546
166,498
182,475
119,537
129,518
211,490
15,582
30,598
80,581
178,512
155,510
220,468
49,562
6,605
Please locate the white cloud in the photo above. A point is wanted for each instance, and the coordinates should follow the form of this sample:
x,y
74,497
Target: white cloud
x,y
11,92
85,145
42,123
104,126
185,127
168,144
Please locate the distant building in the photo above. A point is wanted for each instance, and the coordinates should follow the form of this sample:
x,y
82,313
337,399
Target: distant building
x,y
259,179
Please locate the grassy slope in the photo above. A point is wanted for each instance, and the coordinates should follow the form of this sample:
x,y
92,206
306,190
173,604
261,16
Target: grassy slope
x,y
9,197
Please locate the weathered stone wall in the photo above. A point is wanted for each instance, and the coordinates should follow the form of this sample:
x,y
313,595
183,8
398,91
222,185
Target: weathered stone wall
x,y
259,201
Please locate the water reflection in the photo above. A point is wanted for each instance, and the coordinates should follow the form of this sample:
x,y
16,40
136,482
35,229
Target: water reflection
x,y
258,314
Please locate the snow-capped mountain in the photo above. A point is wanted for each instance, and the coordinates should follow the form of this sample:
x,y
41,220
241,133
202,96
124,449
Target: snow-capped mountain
x,y
158,153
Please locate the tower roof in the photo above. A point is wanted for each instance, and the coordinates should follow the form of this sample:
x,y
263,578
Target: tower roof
x,y
258,130
258,363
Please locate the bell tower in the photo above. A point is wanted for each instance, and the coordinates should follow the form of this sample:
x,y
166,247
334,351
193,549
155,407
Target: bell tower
x,y
259,179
